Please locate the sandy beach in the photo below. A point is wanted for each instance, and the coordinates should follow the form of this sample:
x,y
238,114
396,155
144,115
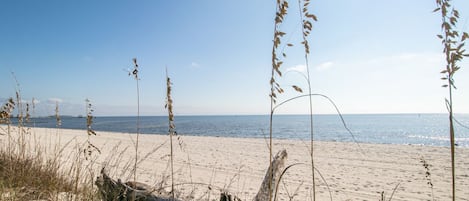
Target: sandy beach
x,y
238,165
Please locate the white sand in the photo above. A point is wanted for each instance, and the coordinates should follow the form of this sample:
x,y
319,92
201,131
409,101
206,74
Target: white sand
x,y
239,165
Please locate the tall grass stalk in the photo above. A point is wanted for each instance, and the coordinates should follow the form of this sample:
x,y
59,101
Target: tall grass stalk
x,y
58,121
58,124
90,147
33,114
306,18
169,106
280,13
134,73
89,130
453,42
20,116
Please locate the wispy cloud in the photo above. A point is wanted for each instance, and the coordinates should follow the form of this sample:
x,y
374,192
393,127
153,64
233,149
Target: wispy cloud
x,y
195,65
324,66
302,68
54,100
298,68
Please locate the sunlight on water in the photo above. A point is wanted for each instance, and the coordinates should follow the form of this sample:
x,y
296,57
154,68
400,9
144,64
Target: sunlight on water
x,y
425,129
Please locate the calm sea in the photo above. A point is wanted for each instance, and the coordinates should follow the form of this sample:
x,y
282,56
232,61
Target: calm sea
x,y
425,129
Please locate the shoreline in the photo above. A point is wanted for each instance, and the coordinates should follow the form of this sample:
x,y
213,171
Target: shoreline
x,y
428,130
252,138
239,164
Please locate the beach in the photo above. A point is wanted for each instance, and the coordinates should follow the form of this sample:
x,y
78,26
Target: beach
x,y
238,165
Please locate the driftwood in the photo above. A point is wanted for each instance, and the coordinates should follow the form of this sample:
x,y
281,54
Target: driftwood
x,y
225,196
277,164
113,190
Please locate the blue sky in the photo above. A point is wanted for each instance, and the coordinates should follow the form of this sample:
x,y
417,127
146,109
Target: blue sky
x,y
369,56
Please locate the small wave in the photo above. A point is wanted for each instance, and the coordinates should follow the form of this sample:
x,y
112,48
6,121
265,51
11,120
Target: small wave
x,y
439,138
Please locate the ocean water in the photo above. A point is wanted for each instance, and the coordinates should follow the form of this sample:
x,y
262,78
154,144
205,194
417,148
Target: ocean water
x,y
424,129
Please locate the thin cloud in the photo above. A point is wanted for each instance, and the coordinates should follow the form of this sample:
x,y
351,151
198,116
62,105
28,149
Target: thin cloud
x,y
324,66
195,65
54,100
302,68
298,68
35,101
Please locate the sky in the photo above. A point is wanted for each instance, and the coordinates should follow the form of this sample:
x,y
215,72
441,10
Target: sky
x,y
368,56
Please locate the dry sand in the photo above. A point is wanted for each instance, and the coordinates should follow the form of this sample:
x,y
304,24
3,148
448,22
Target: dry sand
x,y
238,165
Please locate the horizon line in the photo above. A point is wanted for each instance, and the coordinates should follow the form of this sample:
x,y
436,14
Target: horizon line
x,y
284,114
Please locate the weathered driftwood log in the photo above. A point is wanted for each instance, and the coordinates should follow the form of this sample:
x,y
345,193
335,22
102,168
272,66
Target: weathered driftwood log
x,y
272,176
225,196
113,190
